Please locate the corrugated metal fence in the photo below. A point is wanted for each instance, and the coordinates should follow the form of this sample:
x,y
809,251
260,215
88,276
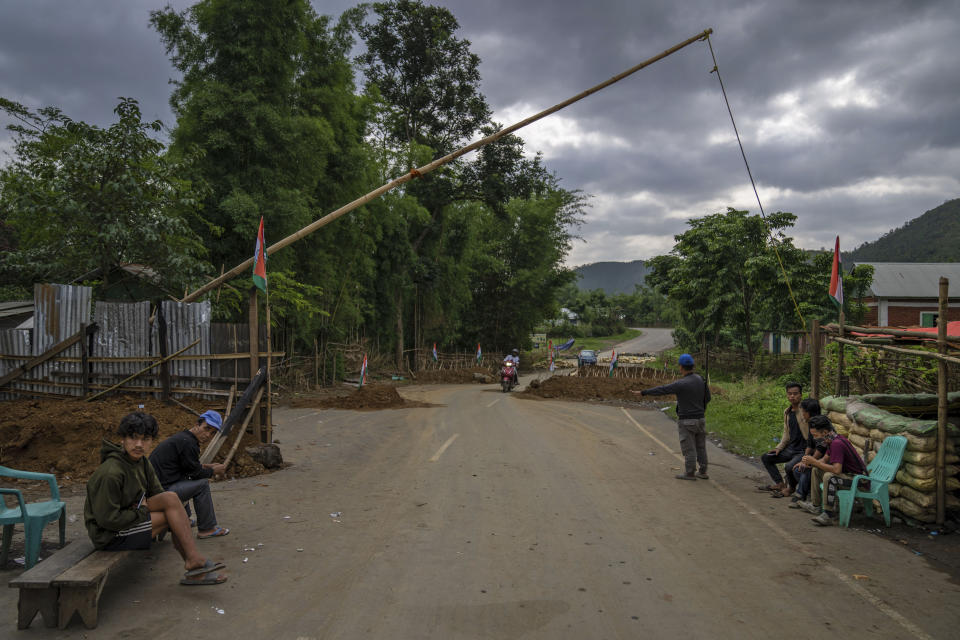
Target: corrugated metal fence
x,y
126,341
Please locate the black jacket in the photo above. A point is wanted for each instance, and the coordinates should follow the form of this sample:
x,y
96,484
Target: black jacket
x,y
178,458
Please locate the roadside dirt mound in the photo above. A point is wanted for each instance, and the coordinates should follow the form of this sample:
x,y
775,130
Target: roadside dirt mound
x,y
63,436
372,397
590,388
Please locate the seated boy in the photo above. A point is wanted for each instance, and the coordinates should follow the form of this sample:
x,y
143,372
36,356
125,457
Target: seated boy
x,y
126,506
809,407
835,469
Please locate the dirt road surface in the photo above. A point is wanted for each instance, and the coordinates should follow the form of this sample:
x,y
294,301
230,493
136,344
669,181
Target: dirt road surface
x,y
489,516
650,341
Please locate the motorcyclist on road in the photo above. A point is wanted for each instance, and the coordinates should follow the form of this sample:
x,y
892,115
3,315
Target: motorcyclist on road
x,y
514,357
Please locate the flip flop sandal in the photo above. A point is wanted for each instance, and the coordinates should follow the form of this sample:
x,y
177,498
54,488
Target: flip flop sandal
x,y
777,494
218,532
206,568
766,488
207,578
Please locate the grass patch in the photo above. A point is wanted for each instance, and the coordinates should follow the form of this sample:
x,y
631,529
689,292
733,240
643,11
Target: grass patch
x,y
746,416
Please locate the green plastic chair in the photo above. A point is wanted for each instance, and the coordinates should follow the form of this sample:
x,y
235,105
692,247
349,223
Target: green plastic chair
x,y
33,515
880,472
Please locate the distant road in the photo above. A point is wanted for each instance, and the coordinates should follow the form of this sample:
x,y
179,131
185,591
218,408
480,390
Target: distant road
x,y
650,341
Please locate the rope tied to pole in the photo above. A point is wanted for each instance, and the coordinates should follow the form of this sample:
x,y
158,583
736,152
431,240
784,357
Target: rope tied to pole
x,y
763,215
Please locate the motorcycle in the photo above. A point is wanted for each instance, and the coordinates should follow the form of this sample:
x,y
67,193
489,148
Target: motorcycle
x,y
508,376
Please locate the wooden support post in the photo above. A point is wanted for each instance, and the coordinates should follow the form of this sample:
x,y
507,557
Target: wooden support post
x,y
266,429
942,374
162,340
84,374
815,358
838,389
254,342
316,364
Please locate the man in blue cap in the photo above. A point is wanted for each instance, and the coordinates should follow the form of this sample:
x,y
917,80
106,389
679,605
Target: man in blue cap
x,y
177,463
693,394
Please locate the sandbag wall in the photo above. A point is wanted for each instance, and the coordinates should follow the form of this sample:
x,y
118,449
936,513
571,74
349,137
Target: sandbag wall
x,y
865,424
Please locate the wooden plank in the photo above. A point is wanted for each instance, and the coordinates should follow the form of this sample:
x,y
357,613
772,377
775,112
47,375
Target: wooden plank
x,y
88,571
47,355
42,573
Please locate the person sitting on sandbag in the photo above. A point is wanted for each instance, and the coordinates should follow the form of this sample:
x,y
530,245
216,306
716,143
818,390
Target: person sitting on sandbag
x,y
177,462
126,507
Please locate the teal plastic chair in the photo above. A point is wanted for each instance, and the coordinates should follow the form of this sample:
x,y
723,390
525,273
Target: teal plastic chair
x,y
880,472
33,515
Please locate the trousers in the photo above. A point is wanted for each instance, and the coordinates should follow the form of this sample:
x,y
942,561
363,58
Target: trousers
x,y
693,443
199,492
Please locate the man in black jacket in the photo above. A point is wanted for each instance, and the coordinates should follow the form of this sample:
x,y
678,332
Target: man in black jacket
x,y
177,462
126,506
693,394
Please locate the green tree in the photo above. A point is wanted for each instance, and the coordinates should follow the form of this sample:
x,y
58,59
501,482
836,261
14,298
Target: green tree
x,y
267,92
80,199
724,276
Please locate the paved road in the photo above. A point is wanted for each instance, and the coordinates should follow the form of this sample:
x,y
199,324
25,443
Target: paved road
x,y
650,341
490,516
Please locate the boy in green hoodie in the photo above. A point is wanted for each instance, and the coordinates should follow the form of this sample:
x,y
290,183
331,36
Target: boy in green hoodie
x,y
126,507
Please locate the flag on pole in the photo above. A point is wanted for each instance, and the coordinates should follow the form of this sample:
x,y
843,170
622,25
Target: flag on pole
x,y
836,277
553,365
613,364
479,354
363,372
260,261
435,358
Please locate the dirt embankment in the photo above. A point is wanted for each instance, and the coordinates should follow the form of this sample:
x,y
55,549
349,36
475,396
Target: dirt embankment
x,y
370,397
64,436
591,388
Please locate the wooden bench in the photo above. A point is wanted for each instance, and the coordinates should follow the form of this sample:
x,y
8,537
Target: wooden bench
x,y
70,581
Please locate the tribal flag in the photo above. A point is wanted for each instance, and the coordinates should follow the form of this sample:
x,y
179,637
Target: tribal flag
x,y
435,358
553,365
479,354
260,261
363,372
613,364
836,277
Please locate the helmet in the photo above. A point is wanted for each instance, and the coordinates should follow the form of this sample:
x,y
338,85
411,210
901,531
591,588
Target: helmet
x,y
516,352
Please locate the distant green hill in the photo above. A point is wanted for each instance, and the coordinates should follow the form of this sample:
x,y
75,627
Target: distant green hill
x,y
933,237
612,277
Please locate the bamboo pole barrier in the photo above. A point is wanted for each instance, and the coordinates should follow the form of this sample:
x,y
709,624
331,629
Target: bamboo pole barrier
x,y
922,354
421,171
144,370
815,358
942,401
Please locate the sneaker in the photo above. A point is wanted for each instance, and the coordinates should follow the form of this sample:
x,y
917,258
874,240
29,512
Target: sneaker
x,y
823,520
703,475
685,476
796,504
810,507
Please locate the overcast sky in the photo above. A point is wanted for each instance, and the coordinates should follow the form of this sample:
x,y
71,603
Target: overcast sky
x,y
849,110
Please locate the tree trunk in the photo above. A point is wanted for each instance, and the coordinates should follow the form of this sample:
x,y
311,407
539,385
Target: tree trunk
x,y
399,354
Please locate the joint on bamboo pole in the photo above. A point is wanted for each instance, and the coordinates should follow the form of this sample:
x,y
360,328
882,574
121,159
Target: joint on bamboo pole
x,y
415,174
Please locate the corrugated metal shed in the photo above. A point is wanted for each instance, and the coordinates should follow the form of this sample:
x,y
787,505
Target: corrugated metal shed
x,y
913,279
60,309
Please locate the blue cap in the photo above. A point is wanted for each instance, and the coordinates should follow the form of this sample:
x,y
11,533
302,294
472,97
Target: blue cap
x,y
213,419
686,360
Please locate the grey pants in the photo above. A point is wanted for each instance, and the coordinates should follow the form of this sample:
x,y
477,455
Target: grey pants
x,y
693,443
199,492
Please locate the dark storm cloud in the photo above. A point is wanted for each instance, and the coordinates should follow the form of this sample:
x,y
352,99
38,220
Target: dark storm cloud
x,y
847,110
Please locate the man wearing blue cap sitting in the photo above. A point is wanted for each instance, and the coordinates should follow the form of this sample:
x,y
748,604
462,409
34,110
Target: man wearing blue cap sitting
x,y
177,463
693,394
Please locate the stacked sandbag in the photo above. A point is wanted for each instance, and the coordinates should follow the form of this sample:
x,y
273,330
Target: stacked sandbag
x,y
866,425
